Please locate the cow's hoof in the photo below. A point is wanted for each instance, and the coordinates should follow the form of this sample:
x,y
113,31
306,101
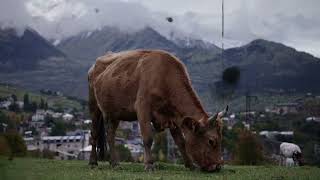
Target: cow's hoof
x,y
149,167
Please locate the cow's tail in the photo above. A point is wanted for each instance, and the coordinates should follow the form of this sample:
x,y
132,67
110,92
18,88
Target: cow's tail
x,y
98,129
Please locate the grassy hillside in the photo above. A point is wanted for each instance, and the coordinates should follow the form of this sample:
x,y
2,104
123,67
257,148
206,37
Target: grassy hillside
x,y
53,101
34,169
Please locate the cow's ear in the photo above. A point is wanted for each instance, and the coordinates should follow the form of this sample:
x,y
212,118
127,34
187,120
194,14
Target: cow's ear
x,y
192,125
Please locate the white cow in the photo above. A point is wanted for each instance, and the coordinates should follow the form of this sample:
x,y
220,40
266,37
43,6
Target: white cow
x,y
290,150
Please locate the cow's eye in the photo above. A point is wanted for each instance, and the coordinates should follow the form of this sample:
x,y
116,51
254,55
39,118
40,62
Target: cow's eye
x,y
211,142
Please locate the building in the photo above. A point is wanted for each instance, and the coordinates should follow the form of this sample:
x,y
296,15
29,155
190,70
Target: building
x,y
135,146
31,143
313,119
84,153
36,124
38,117
65,147
20,104
57,115
67,117
273,134
88,121
5,104
287,108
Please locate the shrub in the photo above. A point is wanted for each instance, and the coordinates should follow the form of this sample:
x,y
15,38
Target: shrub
x,y
48,154
248,149
16,144
124,153
34,153
4,147
159,149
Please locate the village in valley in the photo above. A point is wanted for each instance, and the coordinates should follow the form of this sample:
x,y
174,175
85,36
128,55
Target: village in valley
x,y
57,132
63,132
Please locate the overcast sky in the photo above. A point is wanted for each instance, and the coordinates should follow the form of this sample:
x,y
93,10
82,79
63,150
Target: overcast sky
x,y
293,22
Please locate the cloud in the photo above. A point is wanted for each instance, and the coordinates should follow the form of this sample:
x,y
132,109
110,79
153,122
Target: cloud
x,y
13,13
63,18
293,22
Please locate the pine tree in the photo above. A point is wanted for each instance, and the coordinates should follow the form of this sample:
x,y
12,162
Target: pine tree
x,y
26,103
34,107
42,105
46,106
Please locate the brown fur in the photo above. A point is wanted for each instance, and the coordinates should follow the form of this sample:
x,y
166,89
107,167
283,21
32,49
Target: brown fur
x,y
152,86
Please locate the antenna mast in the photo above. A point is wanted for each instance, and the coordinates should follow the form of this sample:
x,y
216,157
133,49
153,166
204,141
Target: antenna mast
x,y
222,33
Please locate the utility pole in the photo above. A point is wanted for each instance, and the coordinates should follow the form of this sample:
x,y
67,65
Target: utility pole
x,y
248,105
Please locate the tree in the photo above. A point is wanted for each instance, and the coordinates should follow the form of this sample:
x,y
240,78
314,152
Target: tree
x,y
160,146
230,138
124,153
26,102
4,147
312,107
7,121
59,129
33,107
249,149
16,144
14,107
14,97
42,104
46,106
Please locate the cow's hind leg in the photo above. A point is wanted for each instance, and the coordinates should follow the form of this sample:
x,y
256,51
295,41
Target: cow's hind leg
x,y
179,140
112,125
144,118
96,118
93,141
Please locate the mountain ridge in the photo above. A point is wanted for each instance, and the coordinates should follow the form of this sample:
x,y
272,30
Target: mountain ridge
x,y
265,65
23,52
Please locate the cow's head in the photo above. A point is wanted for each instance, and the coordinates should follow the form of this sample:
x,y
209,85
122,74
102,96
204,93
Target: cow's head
x,y
203,141
297,158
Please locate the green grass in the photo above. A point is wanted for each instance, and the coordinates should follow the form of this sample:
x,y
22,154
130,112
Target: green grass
x,y
34,169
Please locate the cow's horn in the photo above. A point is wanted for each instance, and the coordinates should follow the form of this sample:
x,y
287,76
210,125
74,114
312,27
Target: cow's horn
x,y
222,113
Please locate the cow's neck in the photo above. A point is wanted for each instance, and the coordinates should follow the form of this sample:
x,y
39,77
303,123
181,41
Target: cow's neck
x,y
188,106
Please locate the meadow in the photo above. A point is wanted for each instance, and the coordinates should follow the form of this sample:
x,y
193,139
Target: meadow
x,y
44,169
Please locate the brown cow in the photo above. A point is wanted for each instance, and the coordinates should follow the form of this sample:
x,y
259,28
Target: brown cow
x,y
154,87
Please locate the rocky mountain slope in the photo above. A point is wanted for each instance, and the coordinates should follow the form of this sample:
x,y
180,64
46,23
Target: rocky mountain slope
x,y
23,52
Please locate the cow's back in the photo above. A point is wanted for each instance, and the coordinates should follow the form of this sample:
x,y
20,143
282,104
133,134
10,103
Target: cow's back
x,y
116,80
287,149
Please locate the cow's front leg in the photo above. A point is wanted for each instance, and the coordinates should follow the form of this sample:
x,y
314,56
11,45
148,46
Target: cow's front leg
x,y
281,162
144,117
112,125
180,142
